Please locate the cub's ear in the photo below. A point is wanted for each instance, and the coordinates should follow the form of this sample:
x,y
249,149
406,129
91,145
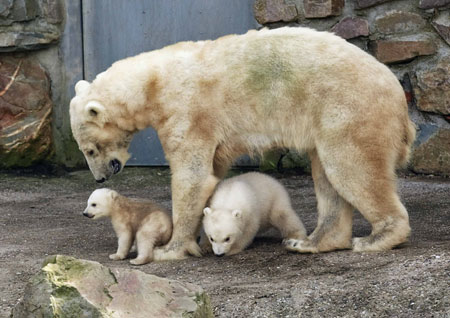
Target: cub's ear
x,y
207,211
113,194
236,213
81,87
96,112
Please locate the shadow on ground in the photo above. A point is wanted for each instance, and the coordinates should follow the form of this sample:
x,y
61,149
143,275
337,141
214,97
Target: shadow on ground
x,y
40,215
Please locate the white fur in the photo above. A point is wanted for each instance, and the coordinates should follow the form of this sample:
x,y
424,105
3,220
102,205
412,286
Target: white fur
x,y
245,205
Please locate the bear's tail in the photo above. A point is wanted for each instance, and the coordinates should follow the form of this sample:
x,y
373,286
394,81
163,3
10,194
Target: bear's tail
x,y
407,141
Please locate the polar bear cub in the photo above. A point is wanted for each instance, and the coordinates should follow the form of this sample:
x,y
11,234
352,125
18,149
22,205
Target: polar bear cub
x,y
133,220
247,204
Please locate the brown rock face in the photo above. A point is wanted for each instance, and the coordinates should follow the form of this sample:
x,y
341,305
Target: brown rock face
x,y
323,8
442,25
433,154
430,4
269,11
392,51
432,88
361,4
25,112
351,27
399,22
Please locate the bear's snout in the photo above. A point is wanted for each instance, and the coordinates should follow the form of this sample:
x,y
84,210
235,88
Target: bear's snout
x,y
87,214
101,180
220,255
115,165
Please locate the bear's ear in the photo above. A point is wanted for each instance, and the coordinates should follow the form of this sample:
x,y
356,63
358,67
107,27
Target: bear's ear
x,y
113,194
236,213
207,211
81,87
96,112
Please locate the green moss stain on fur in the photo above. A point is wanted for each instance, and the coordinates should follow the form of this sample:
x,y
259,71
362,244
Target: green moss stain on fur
x,y
267,72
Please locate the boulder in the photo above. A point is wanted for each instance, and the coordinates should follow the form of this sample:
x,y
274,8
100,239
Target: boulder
x,y
442,25
351,27
69,287
432,87
431,153
394,22
394,51
269,11
323,8
25,112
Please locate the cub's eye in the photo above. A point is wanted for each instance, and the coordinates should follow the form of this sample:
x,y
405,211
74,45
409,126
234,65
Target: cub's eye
x,y
212,240
93,205
227,239
90,152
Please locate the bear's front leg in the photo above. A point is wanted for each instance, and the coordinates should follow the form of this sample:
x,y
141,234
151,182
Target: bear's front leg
x,y
190,190
125,241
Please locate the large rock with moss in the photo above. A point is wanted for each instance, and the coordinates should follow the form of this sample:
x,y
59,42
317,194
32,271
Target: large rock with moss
x,y
67,287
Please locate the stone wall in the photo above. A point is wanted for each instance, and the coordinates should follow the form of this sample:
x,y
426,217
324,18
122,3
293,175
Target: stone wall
x,y
411,36
30,71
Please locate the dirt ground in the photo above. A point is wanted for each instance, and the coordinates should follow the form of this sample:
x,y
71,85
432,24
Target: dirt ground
x,y
40,215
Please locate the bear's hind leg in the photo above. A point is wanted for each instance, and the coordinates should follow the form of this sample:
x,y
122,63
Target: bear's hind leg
x,y
145,242
370,186
334,224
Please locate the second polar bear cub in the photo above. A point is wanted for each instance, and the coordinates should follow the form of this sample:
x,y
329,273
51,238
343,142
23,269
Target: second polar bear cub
x,y
247,204
133,220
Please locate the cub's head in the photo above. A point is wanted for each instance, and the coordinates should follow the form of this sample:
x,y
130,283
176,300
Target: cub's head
x,y
103,143
99,203
222,229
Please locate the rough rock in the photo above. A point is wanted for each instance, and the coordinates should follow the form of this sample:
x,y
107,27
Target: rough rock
x,y
269,11
432,151
29,25
392,51
69,287
323,8
361,4
351,27
430,4
25,112
432,87
399,22
442,25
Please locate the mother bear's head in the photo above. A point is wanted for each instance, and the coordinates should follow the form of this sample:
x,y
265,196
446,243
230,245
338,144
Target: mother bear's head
x,y
103,143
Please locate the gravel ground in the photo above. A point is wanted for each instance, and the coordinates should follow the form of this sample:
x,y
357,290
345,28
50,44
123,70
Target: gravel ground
x,y
40,215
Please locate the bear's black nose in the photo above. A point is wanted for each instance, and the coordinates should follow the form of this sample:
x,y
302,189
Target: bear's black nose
x,y
220,255
115,165
101,180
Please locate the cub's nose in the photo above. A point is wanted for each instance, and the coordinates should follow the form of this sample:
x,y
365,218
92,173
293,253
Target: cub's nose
x,y
101,180
115,165
87,215
220,255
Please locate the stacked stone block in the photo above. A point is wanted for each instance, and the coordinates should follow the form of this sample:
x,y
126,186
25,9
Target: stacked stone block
x,y
411,36
28,29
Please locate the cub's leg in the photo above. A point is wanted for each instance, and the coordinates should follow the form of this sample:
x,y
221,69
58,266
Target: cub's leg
x,y
370,186
334,224
145,242
191,187
125,240
284,218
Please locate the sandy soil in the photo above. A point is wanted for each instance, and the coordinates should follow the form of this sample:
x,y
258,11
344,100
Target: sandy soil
x,y
40,215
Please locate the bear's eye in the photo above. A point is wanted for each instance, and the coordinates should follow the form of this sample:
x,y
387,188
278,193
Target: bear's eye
x,y
93,205
227,239
90,152
212,240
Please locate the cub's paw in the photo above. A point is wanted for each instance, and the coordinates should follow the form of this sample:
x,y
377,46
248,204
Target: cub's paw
x,y
366,244
300,246
116,257
139,261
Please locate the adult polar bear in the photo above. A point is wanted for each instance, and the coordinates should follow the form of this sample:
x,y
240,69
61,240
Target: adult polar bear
x,y
211,101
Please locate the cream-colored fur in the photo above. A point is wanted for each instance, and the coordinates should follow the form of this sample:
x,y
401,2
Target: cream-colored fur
x,y
142,222
247,204
212,101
